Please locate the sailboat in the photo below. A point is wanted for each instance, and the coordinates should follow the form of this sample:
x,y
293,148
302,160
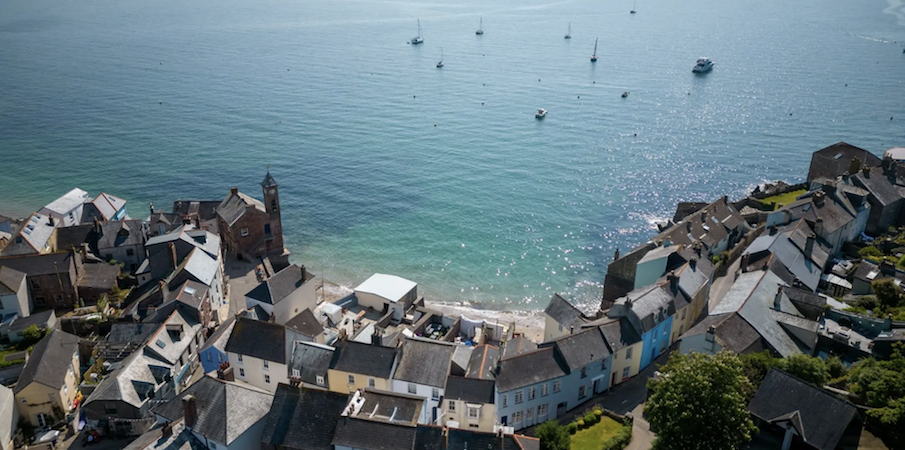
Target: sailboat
x,y
594,56
418,39
440,63
480,28
633,7
569,34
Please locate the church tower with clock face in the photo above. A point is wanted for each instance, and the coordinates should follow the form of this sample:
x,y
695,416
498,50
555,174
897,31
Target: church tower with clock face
x,y
273,231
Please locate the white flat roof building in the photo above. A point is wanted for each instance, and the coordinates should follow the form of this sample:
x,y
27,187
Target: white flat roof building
x,y
896,153
389,287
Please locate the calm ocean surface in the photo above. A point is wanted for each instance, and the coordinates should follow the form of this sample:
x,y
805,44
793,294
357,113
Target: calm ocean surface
x,y
387,164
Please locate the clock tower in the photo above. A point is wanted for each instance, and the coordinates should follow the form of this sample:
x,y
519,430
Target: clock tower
x,y
274,238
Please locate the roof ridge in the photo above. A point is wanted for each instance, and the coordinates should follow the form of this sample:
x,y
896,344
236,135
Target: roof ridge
x,y
818,388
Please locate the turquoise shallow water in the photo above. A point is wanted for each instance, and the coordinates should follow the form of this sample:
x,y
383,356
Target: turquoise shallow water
x,y
442,176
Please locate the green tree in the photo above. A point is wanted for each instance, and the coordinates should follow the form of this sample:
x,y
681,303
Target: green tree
x,y
809,368
888,294
835,367
552,436
756,365
700,403
33,333
868,251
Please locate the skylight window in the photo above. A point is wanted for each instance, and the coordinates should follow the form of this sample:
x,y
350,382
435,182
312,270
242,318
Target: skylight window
x,y
190,290
160,343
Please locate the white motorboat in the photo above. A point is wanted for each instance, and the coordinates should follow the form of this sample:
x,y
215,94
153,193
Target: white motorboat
x,y
418,39
703,65
540,114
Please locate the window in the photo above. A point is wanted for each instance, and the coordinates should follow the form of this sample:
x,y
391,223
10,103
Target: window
x,y
65,389
266,365
543,389
244,231
351,379
371,382
560,328
584,372
542,410
266,228
529,413
517,417
435,394
628,354
557,386
665,332
267,379
130,252
452,406
161,229
296,373
241,372
35,285
319,379
683,313
110,409
474,412
413,389
519,394
209,357
240,359
273,206
505,400
603,365
582,391
625,373
213,445
532,392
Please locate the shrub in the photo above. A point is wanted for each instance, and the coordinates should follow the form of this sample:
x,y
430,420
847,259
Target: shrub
x,y
580,424
870,250
552,436
572,427
621,439
590,419
598,412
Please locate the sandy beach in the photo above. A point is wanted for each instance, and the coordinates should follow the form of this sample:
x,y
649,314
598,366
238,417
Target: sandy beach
x,y
528,323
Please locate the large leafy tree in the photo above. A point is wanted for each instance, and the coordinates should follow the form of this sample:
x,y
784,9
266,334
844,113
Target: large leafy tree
x,y
809,368
552,436
699,403
888,294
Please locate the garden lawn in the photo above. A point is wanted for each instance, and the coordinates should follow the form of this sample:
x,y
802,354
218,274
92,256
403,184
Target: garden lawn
x,y
594,437
785,199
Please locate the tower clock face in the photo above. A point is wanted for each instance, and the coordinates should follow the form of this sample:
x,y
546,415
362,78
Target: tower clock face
x,y
272,191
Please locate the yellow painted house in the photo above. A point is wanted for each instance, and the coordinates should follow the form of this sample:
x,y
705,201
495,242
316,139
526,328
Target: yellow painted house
x,y
49,382
626,345
361,366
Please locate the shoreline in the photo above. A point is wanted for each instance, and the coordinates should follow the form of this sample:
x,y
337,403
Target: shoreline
x,y
528,323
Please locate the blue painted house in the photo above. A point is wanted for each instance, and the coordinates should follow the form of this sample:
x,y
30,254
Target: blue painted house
x,y
650,311
545,383
213,352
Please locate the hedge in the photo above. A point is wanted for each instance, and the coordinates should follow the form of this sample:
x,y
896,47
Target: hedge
x,y
621,439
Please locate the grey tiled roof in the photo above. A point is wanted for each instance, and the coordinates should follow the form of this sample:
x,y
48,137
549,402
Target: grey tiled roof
x,y
32,265
279,286
470,390
619,333
880,186
425,362
708,225
305,323
233,207
529,368
206,209
821,416
10,280
366,359
225,409
429,437
311,360
733,333
564,312
40,319
371,435
220,337
581,348
49,361
789,247
483,361
517,345
262,340
302,419
133,382
835,160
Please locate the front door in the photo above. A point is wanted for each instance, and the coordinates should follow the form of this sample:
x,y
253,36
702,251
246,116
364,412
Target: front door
x,y
561,409
598,386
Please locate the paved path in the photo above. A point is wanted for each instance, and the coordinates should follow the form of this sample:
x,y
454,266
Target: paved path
x,y
642,437
721,285
241,278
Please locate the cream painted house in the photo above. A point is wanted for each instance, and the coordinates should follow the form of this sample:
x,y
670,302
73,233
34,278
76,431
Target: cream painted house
x,y
468,403
49,382
257,353
627,347
285,295
361,366
562,318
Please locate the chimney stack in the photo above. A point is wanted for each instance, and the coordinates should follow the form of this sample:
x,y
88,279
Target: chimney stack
x,y
152,207
616,255
376,338
225,372
818,226
819,198
777,299
172,248
234,191
673,280
809,245
190,410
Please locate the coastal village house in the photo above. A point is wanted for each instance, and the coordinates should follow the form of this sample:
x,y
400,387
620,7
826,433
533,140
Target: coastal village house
x,y
32,237
309,364
47,387
562,318
649,310
15,300
213,352
285,295
122,241
424,365
836,215
251,228
387,293
469,403
220,414
9,418
796,248
77,207
314,415
357,366
838,159
188,254
627,347
52,278
257,353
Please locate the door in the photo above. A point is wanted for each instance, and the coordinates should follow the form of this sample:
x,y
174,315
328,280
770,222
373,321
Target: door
x,y
43,420
598,385
561,409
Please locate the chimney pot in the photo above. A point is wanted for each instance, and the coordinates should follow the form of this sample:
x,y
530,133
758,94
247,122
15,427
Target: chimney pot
x,y
190,410
234,190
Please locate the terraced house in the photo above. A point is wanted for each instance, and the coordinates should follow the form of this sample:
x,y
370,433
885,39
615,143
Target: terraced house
x,y
47,387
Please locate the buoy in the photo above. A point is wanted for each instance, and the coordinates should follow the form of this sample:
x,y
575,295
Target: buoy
x,y
636,134
595,82
538,79
846,84
160,101
579,96
435,124
790,114
482,103
413,96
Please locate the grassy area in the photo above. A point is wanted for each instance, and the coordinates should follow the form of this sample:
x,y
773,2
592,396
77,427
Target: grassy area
x,y
785,199
594,437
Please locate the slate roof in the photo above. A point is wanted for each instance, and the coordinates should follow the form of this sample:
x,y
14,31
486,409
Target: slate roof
x,y
581,348
821,419
206,241
279,286
69,201
262,340
882,187
179,439
120,233
389,407
107,205
201,266
268,181
425,362
49,361
564,313
220,337
835,160
234,205
430,437
127,332
470,390
206,209
35,233
302,419
372,435
643,307
619,334
529,368
365,359
10,280
101,276
311,360
789,246
305,323
733,333
517,345
32,265
483,361
836,211
225,409
166,343
708,225
133,382
191,293
40,319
